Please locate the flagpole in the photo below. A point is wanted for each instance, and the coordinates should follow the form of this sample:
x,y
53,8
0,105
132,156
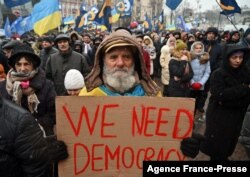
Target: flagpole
x,y
227,16
219,22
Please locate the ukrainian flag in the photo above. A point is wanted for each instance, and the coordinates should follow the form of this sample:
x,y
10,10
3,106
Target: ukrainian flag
x,y
46,16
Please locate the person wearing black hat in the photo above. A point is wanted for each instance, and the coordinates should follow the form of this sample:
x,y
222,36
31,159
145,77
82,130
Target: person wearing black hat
x,y
59,63
27,86
47,50
212,46
8,48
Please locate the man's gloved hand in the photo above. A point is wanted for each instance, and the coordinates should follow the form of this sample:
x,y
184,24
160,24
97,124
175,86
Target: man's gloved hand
x,y
191,146
57,149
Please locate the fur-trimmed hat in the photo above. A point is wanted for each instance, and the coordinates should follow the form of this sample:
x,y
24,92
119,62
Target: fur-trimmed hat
x,y
213,30
73,80
24,50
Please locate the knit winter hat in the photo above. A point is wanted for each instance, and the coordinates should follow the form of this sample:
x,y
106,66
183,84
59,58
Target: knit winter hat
x,y
180,45
73,80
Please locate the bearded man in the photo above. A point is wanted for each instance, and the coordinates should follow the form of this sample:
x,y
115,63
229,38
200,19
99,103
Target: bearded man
x,y
119,69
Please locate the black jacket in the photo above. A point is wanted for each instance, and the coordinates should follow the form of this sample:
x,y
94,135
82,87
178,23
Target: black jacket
x,y
45,91
59,64
44,55
23,150
230,96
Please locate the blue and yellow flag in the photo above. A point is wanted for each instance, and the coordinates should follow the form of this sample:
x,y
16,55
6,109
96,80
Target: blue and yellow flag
x,y
7,28
14,3
147,24
229,7
104,16
173,4
46,16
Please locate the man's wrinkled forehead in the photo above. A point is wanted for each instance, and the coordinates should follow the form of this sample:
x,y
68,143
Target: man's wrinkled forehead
x,y
121,48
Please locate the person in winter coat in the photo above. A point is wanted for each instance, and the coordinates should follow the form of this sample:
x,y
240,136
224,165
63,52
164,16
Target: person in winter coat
x,y
180,71
59,63
230,96
27,86
244,138
234,37
201,67
139,39
165,57
47,50
24,152
148,45
119,69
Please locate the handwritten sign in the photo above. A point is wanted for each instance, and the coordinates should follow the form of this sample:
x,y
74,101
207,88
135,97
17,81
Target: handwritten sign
x,y
111,136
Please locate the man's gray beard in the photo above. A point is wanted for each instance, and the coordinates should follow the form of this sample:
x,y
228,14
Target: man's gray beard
x,y
119,79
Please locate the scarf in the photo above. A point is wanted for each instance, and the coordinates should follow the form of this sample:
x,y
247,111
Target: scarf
x,y
137,91
13,87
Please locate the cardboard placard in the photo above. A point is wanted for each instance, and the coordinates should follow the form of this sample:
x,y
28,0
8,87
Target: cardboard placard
x,y
111,136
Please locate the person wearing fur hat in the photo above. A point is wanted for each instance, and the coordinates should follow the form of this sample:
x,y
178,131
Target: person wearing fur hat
x,y
119,69
65,59
27,86
201,67
73,82
166,52
47,50
180,71
230,97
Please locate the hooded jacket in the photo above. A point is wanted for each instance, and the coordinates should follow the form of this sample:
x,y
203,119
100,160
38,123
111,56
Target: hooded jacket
x,y
164,60
95,80
230,96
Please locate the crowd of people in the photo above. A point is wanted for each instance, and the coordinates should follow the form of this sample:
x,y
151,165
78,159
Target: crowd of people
x,y
121,63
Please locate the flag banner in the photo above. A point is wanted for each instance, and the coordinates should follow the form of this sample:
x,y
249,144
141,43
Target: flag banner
x,y
82,17
46,16
69,20
7,28
115,16
181,24
103,17
147,24
229,7
92,13
14,3
23,25
173,4
15,24
125,7
160,21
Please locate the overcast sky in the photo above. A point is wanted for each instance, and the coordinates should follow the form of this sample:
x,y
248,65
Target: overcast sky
x,y
209,4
